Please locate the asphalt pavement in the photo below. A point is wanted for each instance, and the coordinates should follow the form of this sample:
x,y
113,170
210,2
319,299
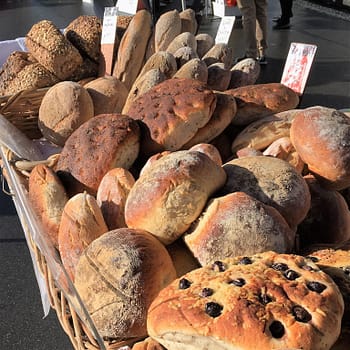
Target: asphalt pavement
x,y
22,326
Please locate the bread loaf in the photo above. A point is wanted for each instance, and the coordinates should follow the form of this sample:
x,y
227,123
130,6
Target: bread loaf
x,y
237,224
245,72
184,54
111,196
171,113
272,181
283,299
64,107
48,198
188,21
117,278
321,136
81,223
132,48
185,39
52,49
171,193
260,100
104,142
219,52
193,69
204,43
210,150
218,77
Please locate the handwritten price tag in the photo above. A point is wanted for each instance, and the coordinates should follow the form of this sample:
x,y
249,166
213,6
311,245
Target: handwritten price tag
x,y
127,6
297,66
225,29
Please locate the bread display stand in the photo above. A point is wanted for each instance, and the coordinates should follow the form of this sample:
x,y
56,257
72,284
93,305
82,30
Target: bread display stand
x,y
56,289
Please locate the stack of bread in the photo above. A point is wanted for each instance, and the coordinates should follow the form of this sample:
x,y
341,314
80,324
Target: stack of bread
x,y
186,194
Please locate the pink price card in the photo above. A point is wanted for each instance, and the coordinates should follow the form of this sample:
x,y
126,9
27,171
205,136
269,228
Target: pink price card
x,y
297,66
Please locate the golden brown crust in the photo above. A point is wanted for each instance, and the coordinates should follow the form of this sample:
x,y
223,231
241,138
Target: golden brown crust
x,y
260,100
104,142
220,306
171,113
321,137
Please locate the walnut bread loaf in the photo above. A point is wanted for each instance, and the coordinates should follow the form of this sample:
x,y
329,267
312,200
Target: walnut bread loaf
x,y
264,301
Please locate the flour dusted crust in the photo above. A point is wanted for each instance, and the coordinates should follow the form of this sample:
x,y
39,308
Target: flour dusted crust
x,y
265,301
172,112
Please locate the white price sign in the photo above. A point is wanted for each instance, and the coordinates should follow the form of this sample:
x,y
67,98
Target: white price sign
x,y
109,25
297,66
127,6
225,29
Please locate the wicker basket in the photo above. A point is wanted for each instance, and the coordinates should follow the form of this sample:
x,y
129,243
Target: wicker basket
x,y
22,110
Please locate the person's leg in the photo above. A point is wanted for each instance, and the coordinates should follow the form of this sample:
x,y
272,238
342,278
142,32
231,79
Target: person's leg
x,y
286,7
261,27
247,8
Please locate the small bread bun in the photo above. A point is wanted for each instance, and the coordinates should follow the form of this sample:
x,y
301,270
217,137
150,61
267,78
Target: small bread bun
x,y
118,276
237,224
210,150
64,107
321,137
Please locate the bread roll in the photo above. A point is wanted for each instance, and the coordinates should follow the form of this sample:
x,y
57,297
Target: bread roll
x,y
112,194
81,223
132,48
210,150
222,116
204,43
237,224
171,194
188,21
117,278
219,52
108,94
64,107
104,142
48,198
184,54
218,77
185,39
52,49
321,137
147,344
171,113
260,100
193,69
265,301
245,72
248,152
167,27
272,181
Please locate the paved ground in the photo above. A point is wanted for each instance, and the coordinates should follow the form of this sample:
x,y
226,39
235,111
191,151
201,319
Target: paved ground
x,y
21,324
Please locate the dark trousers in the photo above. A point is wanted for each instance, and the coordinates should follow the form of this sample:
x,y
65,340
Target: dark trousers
x,y
286,9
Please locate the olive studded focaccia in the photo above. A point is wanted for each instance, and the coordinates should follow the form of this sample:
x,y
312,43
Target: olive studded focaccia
x,y
265,301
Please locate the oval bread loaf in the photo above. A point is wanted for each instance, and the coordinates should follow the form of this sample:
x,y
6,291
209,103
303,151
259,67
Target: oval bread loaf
x,y
193,69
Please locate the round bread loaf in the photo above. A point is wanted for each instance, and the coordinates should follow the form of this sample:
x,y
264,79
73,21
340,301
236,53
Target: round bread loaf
x,y
193,69
171,194
265,301
171,113
184,54
218,77
245,72
104,142
260,100
321,136
204,43
237,224
64,107
188,21
108,94
118,276
328,220
272,181
81,223
111,196
219,52
147,344
210,150
48,199
185,39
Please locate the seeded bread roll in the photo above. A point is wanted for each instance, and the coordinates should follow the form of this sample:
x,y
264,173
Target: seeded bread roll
x,y
222,116
321,136
260,100
48,198
219,53
171,113
193,69
64,107
167,27
171,193
245,72
272,181
112,194
204,43
81,223
237,224
52,50
117,278
108,94
85,32
265,301
132,48
104,142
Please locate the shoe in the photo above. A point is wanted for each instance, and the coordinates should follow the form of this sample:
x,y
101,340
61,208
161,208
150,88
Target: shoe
x,y
281,25
262,60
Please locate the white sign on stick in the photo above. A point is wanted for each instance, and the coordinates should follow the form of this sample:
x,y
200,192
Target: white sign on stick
x,y
225,29
127,6
297,66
